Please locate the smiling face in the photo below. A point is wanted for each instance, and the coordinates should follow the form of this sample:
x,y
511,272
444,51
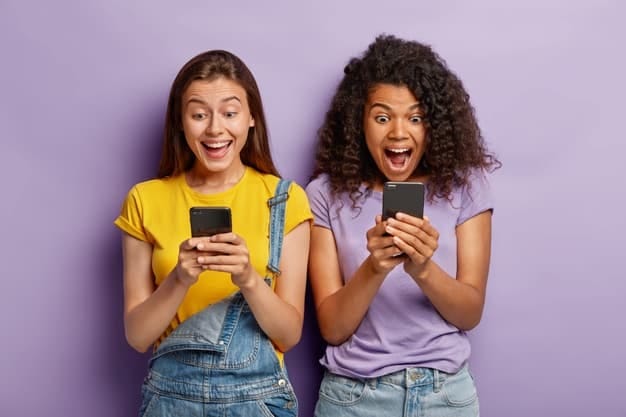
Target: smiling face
x,y
394,130
216,119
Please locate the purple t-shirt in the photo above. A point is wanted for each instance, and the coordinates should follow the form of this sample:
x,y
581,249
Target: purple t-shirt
x,y
401,328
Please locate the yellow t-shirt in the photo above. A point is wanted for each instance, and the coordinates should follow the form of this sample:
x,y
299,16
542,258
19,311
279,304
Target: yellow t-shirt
x,y
157,212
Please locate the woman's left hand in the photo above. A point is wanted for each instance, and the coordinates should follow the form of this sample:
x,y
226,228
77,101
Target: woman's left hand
x,y
228,252
416,238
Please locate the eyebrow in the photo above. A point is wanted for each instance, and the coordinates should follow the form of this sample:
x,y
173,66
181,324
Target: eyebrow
x,y
200,101
386,107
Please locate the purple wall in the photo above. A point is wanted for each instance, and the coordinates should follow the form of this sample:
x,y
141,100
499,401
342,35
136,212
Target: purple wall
x,y
83,87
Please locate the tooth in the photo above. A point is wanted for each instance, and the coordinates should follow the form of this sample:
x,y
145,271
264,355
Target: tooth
x,y
216,145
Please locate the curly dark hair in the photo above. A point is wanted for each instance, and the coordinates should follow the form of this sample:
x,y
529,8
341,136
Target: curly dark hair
x,y
454,144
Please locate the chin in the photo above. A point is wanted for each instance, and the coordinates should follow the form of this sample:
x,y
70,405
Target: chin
x,y
399,177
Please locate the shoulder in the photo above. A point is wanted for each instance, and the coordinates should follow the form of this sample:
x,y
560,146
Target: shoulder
x,y
319,186
476,196
156,185
148,191
478,183
297,207
319,194
147,196
143,202
270,182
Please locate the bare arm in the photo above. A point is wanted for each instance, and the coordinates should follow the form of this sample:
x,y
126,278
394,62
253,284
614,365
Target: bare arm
x,y
341,308
147,311
279,313
460,301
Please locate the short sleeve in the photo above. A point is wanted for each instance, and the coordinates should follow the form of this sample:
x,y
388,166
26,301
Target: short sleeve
x,y
130,219
318,194
298,209
475,198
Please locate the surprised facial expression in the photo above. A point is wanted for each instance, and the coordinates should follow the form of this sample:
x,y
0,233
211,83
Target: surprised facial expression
x,y
216,120
394,130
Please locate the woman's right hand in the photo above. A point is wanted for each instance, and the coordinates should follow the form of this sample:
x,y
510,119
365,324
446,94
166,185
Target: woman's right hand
x,y
188,269
384,255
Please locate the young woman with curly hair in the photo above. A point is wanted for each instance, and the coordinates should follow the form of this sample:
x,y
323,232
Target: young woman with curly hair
x,y
395,298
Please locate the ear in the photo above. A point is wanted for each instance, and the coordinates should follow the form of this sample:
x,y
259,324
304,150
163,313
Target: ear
x,y
251,121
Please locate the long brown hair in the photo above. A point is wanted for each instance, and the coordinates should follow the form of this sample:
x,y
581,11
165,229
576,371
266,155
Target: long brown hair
x,y
176,156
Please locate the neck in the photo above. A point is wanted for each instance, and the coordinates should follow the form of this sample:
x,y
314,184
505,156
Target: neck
x,y
206,182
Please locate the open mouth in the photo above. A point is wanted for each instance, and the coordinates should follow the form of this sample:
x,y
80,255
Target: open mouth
x,y
397,158
216,149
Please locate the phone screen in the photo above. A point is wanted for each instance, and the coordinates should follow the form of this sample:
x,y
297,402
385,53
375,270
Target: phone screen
x,y
406,197
209,221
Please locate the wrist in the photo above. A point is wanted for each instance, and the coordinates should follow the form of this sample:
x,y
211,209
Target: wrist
x,y
180,280
421,273
250,283
371,270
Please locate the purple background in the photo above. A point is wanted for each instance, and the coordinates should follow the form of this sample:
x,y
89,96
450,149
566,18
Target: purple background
x,y
82,98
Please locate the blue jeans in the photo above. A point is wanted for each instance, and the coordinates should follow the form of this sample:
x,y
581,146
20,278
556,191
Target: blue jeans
x,y
413,392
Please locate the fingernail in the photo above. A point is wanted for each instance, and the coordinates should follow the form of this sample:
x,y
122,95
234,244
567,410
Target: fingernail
x,y
200,246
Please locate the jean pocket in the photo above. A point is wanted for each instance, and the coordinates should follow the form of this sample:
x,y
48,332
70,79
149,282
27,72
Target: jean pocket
x,y
341,390
284,405
148,400
459,389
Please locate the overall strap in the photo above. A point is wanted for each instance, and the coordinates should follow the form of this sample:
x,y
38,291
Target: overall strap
x,y
212,328
277,205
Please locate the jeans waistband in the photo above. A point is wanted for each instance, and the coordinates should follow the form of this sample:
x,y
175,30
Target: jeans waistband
x,y
205,385
410,377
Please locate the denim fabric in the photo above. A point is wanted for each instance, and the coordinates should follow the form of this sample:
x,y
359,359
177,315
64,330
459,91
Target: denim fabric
x,y
413,392
219,362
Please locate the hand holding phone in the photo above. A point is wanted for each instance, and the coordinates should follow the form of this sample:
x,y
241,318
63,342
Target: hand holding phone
x,y
406,197
209,221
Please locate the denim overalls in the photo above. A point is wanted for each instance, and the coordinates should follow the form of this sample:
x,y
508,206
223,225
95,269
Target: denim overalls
x,y
219,362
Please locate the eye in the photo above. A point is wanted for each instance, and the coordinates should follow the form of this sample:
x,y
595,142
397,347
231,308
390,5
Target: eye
x,y
416,119
381,119
198,116
230,114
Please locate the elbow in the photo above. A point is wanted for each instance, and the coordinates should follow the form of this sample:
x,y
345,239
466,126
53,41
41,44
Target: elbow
x,y
332,336
470,317
290,342
135,336
469,323
139,347
291,335
466,327
333,341
331,331
136,343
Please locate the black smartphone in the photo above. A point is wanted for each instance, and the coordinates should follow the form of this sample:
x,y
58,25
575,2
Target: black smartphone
x,y
407,197
209,221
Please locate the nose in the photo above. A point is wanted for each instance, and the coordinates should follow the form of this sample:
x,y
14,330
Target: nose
x,y
214,126
398,129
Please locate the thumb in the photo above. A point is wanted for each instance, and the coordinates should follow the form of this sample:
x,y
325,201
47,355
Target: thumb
x,y
188,244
